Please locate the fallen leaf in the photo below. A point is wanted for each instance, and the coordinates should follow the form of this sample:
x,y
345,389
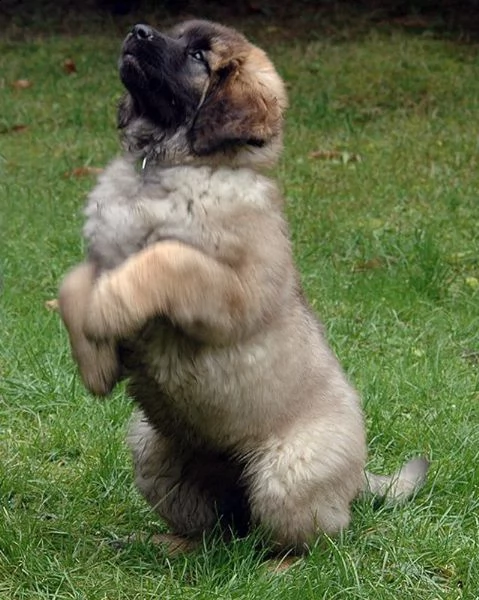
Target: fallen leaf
x,y
411,21
375,223
463,257
52,305
19,128
472,282
418,352
336,155
174,545
171,544
408,21
83,172
471,356
366,265
22,84
69,66
280,565
254,8
325,154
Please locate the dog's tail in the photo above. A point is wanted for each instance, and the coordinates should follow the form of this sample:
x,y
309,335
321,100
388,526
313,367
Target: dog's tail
x,y
399,486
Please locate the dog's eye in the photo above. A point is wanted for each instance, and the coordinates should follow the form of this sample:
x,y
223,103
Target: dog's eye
x,y
198,55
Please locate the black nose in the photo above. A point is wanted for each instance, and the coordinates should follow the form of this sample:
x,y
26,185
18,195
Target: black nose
x,y
142,32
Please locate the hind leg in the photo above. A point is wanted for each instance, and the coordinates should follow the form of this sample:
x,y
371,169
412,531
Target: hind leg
x,y
301,486
192,491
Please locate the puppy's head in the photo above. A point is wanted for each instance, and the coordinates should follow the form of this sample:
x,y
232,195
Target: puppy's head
x,y
201,92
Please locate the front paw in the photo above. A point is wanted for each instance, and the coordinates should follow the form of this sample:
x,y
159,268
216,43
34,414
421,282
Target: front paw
x,y
98,365
107,316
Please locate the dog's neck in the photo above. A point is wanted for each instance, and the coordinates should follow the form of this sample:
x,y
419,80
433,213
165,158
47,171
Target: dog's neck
x,y
152,149
174,151
158,150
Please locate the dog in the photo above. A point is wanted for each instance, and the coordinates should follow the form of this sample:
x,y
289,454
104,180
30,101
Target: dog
x,y
190,292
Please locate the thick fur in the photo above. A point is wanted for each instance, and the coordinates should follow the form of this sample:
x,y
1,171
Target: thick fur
x,y
190,291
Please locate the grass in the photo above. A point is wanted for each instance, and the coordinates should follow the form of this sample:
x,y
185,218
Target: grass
x,y
388,249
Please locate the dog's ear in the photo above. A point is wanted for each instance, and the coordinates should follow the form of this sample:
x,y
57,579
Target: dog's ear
x,y
241,109
126,111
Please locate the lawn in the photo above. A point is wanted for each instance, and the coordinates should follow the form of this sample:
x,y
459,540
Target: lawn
x,y
381,175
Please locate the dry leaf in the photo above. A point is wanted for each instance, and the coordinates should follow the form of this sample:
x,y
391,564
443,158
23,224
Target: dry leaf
x,y
336,155
174,545
472,282
366,265
325,154
19,128
171,544
52,304
280,565
83,172
411,21
471,356
22,84
69,66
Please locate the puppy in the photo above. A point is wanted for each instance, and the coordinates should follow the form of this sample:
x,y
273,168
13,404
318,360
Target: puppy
x,y
190,291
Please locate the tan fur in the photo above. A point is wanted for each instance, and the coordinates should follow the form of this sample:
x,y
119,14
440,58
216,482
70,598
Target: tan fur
x,y
191,293
97,361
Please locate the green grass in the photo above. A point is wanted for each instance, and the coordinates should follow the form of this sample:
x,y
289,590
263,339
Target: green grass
x,y
388,248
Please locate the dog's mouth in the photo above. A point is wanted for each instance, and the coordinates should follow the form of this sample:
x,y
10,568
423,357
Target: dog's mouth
x,y
130,65
128,57
132,72
142,65
128,62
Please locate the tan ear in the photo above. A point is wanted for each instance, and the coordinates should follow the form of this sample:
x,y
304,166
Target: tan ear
x,y
240,110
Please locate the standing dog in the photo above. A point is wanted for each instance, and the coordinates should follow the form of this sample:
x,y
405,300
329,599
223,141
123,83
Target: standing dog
x,y
190,291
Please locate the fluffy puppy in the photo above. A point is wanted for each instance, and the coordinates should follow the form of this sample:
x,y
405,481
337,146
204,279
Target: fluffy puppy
x,y
190,291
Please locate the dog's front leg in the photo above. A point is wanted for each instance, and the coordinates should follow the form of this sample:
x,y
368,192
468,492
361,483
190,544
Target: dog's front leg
x,y
97,362
207,299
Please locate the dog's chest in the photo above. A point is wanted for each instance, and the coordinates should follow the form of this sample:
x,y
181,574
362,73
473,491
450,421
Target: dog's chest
x,y
127,212
175,377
